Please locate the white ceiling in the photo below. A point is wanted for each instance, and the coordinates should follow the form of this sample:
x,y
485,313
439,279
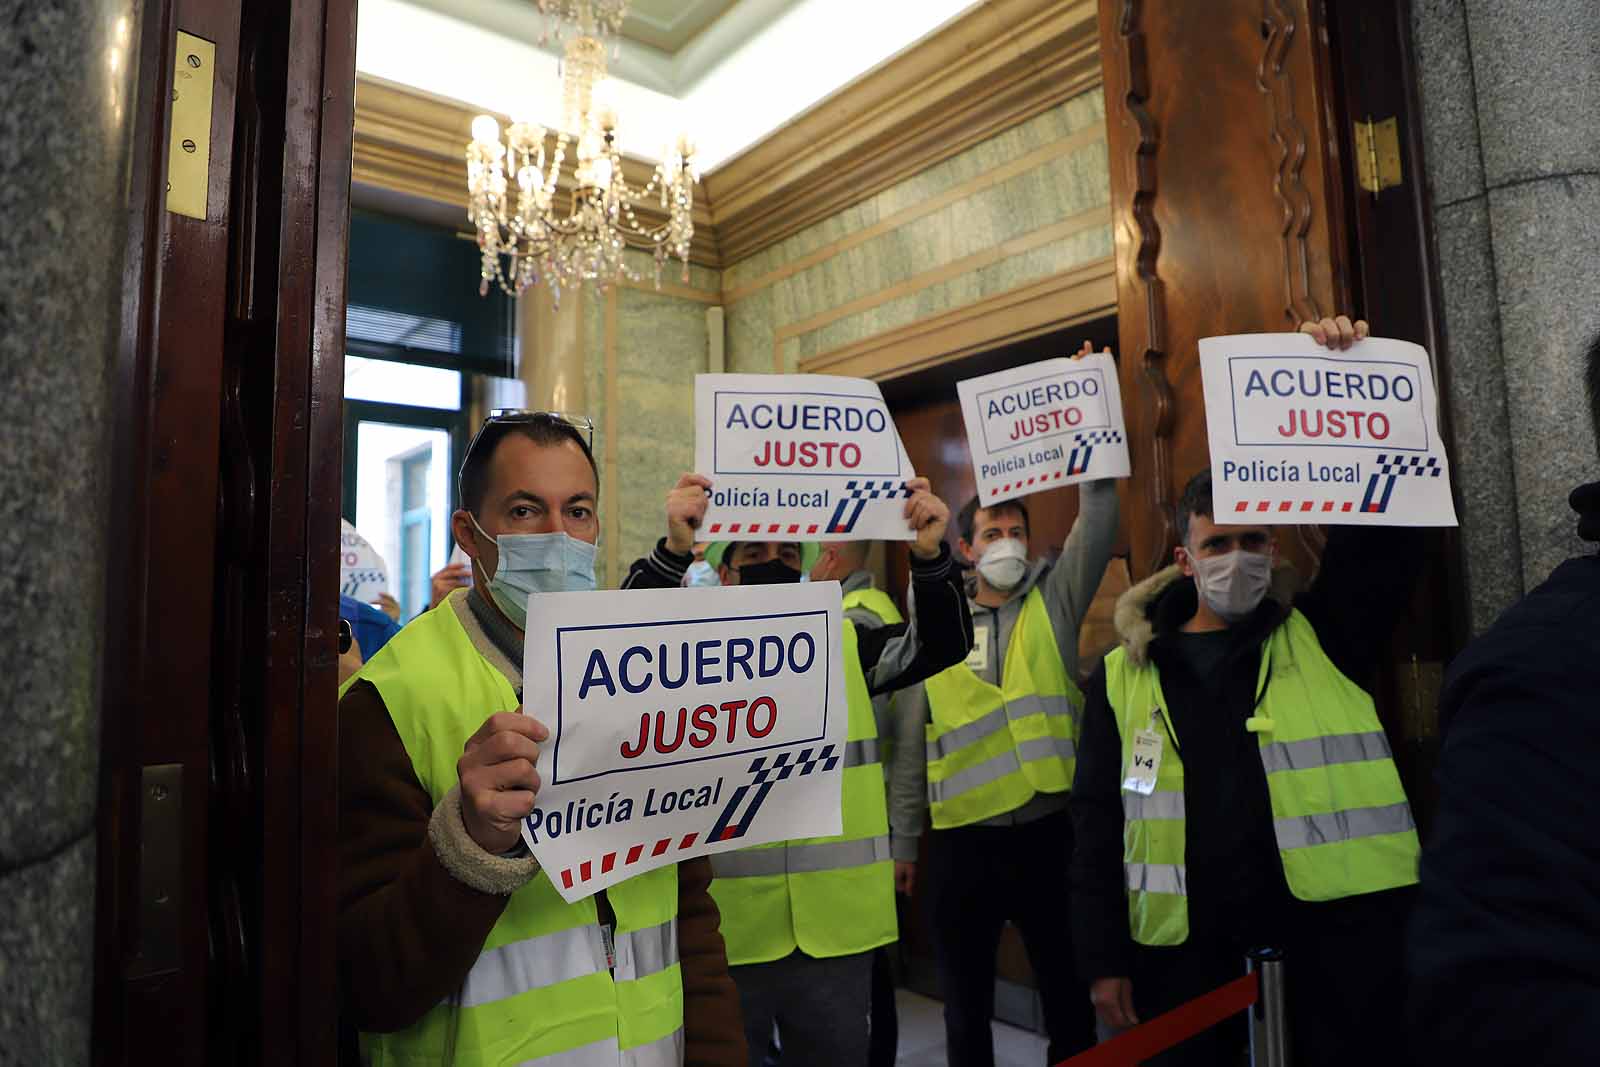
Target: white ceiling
x,y
728,72
671,24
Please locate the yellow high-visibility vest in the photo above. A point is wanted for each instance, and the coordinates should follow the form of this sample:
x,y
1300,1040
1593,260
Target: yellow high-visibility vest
x,y
826,896
991,749
875,601
1339,813
541,989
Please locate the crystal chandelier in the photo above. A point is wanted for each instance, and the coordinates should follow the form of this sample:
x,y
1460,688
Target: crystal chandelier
x,y
567,241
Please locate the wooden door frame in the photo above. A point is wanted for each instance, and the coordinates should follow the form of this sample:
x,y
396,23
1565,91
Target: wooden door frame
x,y
223,560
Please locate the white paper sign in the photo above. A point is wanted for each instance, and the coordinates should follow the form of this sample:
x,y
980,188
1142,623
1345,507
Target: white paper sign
x,y
799,457
362,574
1301,434
682,725
1045,425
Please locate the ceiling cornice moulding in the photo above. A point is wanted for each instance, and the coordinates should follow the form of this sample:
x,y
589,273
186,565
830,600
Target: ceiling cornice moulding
x,y
985,72
989,70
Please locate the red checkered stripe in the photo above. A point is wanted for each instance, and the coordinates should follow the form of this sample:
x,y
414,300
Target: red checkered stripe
x,y
1281,506
585,870
764,527
1041,479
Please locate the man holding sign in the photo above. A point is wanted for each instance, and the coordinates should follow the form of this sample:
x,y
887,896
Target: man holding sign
x,y
802,918
455,947
1235,789
999,759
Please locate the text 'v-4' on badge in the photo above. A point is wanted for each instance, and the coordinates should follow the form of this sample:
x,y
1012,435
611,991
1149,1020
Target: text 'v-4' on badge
x,y
1143,763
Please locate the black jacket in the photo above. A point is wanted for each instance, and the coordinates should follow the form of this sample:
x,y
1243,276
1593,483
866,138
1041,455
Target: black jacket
x,y
1505,941
1235,879
939,634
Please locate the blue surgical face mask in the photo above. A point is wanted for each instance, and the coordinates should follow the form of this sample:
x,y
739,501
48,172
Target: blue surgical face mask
x,y
700,575
537,563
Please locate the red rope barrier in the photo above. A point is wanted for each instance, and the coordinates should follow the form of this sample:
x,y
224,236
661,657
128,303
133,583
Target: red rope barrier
x,y
1177,1025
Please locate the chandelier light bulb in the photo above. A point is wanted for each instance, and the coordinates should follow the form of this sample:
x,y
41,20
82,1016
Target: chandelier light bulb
x,y
485,130
539,233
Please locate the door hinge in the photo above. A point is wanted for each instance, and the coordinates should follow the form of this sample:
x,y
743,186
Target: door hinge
x,y
1377,146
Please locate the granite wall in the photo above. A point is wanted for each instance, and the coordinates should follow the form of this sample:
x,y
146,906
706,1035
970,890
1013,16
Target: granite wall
x,y
1025,204
1509,98
66,76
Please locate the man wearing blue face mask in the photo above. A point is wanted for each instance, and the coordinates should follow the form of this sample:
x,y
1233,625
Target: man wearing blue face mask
x,y
1265,808
454,946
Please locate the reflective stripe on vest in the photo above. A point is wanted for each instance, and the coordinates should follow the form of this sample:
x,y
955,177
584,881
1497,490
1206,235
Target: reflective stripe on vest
x,y
1157,878
641,953
540,990
1158,805
516,968
534,963
663,1052
828,896
1324,751
801,859
990,748
1340,816
998,719
1304,831
861,753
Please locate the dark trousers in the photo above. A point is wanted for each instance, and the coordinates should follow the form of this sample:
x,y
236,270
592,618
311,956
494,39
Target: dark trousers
x,y
1343,974
818,1005
978,878
885,1040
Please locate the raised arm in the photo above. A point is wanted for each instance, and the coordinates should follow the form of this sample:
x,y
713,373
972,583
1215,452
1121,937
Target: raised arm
x,y
1070,586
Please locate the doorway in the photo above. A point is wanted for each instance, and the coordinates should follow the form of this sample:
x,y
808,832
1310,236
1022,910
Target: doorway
x,y
927,413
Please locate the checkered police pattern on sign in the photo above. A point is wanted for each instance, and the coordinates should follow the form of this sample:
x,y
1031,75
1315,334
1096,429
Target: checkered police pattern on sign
x,y
1083,449
1390,468
765,777
853,501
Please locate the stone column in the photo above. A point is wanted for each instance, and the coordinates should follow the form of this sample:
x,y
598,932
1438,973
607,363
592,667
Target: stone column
x,y
67,81
550,352
1509,94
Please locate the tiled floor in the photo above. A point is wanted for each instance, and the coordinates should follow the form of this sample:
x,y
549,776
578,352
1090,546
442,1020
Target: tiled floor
x,y
922,1037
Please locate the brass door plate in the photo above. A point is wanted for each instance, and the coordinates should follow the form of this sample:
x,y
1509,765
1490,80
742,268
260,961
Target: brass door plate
x,y
189,152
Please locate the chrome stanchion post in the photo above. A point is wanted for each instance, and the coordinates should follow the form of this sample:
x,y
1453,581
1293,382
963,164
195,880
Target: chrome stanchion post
x,y
1269,1020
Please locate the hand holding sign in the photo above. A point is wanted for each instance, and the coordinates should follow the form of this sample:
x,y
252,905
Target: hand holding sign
x,y
499,782
928,516
686,510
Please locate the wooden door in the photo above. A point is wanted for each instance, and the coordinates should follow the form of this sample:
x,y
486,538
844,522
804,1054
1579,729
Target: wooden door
x,y
1237,208
215,909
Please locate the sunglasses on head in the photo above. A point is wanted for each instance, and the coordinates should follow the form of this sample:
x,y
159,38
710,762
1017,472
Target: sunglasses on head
x,y
583,424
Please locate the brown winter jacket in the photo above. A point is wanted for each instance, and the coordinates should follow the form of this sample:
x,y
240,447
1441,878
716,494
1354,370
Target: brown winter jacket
x,y
418,897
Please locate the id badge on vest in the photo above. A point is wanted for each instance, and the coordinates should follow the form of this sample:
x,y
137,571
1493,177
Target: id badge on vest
x,y
1143,763
978,657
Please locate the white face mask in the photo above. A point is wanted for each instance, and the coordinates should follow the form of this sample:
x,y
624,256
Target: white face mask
x,y
700,575
1003,564
1233,584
